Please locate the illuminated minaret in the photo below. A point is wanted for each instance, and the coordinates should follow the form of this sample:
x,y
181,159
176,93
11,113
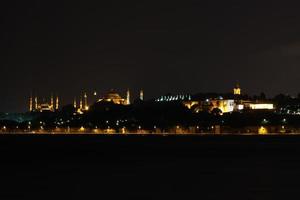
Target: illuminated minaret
x,y
128,97
142,95
75,103
86,106
52,103
36,103
57,103
30,103
80,104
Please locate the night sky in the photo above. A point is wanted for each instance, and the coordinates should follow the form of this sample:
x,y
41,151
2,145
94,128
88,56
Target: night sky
x,y
160,46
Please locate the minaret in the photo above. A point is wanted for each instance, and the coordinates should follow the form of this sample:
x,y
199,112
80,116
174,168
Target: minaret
x,y
57,103
142,95
75,103
30,103
36,103
86,106
52,103
80,104
128,97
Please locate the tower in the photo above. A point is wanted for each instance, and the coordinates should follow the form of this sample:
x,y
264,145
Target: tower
x,y
75,103
142,95
80,104
52,103
237,89
86,106
128,97
36,103
30,103
57,103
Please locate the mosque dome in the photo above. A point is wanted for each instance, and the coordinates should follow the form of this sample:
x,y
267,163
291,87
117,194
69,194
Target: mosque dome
x,y
114,97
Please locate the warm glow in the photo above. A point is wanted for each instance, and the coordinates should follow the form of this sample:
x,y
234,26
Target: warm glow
x,y
237,91
123,130
96,130
82,129
190,104
262,106
262,131
225,105
240,107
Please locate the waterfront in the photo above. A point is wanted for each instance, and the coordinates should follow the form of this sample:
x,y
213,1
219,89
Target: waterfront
x,y
149,167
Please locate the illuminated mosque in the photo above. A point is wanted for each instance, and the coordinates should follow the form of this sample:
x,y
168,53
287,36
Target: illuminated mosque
x,y
116,98
83,104
111,96
43,106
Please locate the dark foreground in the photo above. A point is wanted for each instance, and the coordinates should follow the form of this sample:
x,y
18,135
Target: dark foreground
x,y
149,167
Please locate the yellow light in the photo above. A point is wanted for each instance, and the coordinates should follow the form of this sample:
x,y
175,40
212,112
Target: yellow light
x,y
262,131
237,91
96,130
82,129
123,130
87,108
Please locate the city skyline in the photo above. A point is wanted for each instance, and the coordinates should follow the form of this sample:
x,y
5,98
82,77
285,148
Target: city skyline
x,y
94,95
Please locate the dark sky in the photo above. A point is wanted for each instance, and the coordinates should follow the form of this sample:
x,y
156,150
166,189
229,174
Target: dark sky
x,y
161,46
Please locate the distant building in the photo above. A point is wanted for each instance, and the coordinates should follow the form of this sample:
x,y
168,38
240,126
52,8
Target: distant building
x,y
261,106
225,105
83,104
237,90
44,106
114,97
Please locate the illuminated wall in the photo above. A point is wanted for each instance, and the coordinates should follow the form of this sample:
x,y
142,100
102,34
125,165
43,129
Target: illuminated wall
x,y
262,106
190,104
224,105
237,91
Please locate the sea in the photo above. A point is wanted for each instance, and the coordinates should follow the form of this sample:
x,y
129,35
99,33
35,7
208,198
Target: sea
x,y
149,167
